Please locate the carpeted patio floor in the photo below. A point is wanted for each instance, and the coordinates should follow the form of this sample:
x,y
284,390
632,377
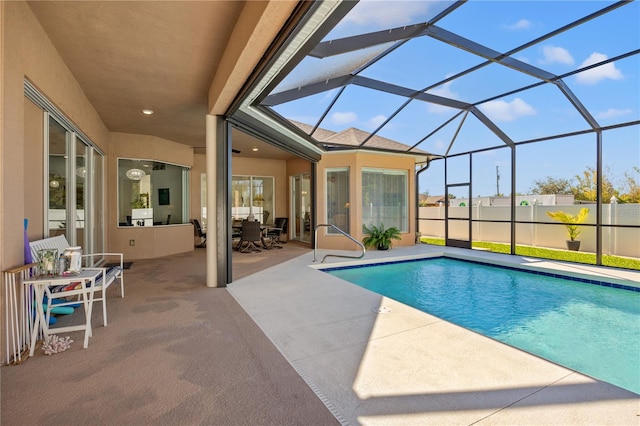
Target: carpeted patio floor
x,y
175,352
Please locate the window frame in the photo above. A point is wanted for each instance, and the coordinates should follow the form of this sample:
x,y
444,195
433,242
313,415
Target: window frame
x,y
403,222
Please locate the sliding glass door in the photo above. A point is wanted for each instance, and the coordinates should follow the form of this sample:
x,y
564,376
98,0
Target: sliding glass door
x,y
75,196
58,181
253,196
301,207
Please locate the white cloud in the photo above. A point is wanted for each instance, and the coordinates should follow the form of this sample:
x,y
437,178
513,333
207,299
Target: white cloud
x,y
439,144
343,117
376,121
442,91
522,24
507,111
595,75
612,113
385,14
552,54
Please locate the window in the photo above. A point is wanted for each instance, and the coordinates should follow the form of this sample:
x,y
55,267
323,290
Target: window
x,y
74,188
252,195
384,198
152,193
338,199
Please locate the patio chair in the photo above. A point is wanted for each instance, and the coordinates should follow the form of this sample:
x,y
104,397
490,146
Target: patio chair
x,y
274,234
200,233
251,233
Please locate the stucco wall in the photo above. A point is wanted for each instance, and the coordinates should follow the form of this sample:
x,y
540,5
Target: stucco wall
x,y
356,162
157,241
28,53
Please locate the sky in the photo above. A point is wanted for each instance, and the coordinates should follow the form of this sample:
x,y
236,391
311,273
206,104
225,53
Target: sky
x,y
610,92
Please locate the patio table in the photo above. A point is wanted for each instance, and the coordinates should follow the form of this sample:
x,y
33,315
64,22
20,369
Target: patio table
x,y
43,285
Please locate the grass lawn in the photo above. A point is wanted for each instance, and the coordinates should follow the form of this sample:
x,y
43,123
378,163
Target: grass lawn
x,y
545,253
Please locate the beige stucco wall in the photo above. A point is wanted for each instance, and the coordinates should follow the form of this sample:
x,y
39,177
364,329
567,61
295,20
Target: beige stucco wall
x,y
355,162
28,53
151,242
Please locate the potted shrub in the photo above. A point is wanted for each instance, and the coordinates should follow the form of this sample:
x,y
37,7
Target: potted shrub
x,y
380,237
571,222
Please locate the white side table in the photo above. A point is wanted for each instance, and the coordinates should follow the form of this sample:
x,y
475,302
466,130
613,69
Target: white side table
x,y
42,286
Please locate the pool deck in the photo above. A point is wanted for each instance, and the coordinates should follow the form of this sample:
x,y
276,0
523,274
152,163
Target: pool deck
x,y
375,361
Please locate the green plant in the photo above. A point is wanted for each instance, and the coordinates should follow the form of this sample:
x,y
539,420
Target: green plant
x,y
138,203
571,221
380,237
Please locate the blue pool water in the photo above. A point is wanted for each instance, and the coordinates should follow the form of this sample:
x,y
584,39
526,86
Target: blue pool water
x,y
590,328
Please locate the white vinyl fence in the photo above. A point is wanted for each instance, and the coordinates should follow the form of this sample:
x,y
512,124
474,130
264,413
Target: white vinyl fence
x,y
549,233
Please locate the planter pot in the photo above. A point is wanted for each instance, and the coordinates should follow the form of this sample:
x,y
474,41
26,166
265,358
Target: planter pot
x,y
383,247
573,245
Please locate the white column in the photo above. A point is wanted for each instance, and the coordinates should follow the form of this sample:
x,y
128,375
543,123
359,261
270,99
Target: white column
x,y
613,219
478,217
212,216
534,217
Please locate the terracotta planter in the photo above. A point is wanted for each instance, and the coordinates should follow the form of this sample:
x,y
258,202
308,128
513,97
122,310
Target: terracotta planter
x,y
573,245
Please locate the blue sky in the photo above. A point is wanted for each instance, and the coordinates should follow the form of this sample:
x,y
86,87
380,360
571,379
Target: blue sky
x,y
611,92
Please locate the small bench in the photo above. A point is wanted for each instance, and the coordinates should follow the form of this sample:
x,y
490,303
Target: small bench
x,y
109,274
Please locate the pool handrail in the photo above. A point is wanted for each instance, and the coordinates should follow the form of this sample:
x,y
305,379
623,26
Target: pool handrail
x,y
315,246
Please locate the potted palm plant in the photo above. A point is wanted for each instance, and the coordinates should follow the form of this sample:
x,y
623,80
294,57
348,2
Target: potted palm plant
x,y
571,222
380,237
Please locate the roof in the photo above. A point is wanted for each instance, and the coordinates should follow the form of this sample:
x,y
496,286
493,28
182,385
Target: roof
x,y
353,137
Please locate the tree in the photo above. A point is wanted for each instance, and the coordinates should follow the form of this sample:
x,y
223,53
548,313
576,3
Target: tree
x,y
550,185
586,188
631,187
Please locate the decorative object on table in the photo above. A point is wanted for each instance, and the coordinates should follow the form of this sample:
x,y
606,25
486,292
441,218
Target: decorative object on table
x,y
56,345
47,262
73,258
380,237
571,222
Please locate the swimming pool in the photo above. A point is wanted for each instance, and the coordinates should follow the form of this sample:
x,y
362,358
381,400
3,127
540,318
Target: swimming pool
x,y
593,329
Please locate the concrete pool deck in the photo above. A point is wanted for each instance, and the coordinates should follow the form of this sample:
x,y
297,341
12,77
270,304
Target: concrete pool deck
x,y
406,367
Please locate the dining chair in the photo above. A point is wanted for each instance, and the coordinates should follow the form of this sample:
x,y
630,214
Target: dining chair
x,y
201,234
251,233
274,234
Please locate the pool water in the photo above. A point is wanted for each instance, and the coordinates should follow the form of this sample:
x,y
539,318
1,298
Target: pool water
x,y
589,328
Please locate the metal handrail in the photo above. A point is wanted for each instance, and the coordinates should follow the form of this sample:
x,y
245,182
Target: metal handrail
x,y
315,248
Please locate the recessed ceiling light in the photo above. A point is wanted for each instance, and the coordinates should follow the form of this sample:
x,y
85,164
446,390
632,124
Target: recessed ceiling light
x,y
254,149
147,111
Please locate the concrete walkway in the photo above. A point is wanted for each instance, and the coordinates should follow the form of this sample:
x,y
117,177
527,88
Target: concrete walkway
x,y
406,367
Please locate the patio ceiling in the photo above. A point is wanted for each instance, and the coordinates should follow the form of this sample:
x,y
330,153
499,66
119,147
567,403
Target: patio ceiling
x,y
438,78
165,56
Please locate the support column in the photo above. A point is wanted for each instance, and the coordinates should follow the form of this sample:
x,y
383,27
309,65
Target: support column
x,y
212,218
